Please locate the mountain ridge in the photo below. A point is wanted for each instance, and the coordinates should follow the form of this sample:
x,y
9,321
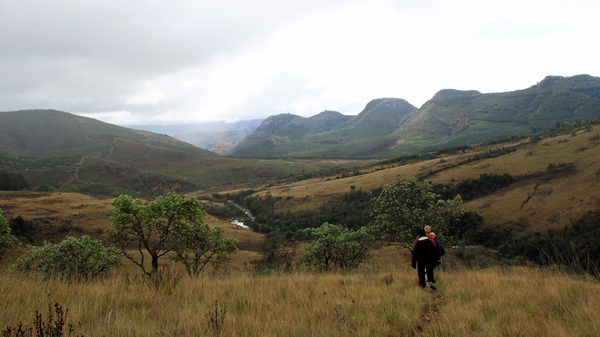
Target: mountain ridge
x,y
389,127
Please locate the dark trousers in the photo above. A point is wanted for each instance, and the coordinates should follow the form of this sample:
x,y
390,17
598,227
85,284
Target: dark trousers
x,y
421,270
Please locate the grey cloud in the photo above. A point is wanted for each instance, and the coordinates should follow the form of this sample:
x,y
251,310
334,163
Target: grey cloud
x,y
91,55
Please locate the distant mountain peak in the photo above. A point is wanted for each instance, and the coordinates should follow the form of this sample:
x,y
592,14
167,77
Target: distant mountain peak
x,y
448,94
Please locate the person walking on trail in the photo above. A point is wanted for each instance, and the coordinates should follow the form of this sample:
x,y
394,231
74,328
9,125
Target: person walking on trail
x,y
424,259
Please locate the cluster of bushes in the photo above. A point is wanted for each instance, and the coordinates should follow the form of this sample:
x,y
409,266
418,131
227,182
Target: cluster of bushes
x,y
511,139
566,128
404,159
12,181
576,247
320,173
22,230
493,153
351,209
73,258
22,163
475,188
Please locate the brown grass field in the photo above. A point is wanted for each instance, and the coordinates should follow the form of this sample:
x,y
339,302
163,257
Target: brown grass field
x,y
381,298
379,302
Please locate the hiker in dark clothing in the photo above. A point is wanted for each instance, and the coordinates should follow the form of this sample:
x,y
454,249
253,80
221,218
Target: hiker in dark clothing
x,y
425,258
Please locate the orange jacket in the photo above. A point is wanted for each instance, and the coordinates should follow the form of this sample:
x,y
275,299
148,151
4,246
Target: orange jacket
x,y
430,238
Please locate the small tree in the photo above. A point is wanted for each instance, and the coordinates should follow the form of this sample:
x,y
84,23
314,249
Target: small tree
x,y
409,204
286,253
197,246
171,223
72,258
336,246
7,240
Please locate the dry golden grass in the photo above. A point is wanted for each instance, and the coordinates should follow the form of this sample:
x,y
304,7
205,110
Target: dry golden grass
x,y
383,302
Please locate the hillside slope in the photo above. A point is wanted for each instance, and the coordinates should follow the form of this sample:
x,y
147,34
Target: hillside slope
x,y
85,155
358,136
52,133
267,128
538,202
454,118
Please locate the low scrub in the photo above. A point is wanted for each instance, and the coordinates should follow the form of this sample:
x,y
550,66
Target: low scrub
x,y
55,325
73,258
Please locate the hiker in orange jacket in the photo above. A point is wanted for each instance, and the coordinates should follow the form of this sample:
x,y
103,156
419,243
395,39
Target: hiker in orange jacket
x,y
427,231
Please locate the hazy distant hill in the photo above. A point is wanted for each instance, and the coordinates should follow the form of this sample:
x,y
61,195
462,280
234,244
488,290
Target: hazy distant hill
x,y
268,127
51,133
341,136
390,127
210,135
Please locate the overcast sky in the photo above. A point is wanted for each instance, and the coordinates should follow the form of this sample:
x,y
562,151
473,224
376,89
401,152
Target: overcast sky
x,y
185,61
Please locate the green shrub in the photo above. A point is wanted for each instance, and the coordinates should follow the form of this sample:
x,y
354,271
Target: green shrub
x,y
73,258
336,246
71,189
6,238
46,188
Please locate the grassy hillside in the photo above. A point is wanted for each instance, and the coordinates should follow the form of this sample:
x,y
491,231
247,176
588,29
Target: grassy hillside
x,y
268,127
453,118
51,133
305,127
380,297
141,169
359,136
81,154
551,203
383,301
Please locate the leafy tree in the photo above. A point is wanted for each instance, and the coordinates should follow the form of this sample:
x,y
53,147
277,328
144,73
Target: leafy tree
x,y
72,258
170,224
12,181
22,230
409,204
7,240
197,246
336,246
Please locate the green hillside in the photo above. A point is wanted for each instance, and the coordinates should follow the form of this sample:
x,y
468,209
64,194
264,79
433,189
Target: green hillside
x,y
361,135
453,118
268,127
389,127
51,133
81,154
302,128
